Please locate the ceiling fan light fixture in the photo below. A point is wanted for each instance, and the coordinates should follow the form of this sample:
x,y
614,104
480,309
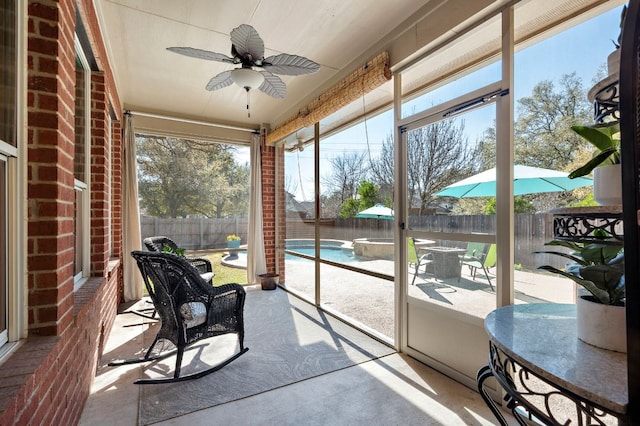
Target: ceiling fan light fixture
x,y
247,50
247,78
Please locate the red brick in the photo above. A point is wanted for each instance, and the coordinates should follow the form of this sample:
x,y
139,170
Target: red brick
x,y
48,29
38,10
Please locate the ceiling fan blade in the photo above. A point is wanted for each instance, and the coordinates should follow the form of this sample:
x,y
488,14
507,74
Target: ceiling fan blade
x,y
273,86
201,54
286,64
246,40
219,81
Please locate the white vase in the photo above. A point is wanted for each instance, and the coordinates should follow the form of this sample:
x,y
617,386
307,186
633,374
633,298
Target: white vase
x,y
607,185
604,326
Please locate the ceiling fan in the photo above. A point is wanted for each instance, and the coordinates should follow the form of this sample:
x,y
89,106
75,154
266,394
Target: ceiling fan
x,y
247,50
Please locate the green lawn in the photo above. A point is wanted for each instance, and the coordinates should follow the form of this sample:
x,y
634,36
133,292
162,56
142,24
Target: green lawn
x,y
224,274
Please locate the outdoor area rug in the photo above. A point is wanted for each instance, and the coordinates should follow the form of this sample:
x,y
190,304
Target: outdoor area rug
x,y
288,340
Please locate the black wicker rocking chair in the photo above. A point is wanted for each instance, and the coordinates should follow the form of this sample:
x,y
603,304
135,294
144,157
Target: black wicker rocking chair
x,y
189,309
202,264
158,244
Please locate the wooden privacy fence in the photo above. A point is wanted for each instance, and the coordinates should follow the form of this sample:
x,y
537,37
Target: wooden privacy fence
x,y
531,231
195,233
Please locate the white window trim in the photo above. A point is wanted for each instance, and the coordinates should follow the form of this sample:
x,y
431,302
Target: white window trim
x,y
108,185
17,324
85,187
4,334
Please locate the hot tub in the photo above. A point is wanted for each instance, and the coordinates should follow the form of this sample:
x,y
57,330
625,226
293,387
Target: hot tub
x,y
381,248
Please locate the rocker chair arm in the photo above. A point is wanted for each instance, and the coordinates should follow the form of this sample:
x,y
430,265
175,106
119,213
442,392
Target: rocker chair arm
x,y
203,265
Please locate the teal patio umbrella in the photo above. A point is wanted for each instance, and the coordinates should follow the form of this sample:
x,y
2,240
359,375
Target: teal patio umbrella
x,y
379,211
526,180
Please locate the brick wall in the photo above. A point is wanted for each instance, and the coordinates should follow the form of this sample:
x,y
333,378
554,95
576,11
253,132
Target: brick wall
x,y
100,169
116,197
269,204
281,224
48,378
46,381
51,94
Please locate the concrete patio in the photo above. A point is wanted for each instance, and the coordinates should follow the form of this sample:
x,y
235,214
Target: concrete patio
x,y
389,390
369,300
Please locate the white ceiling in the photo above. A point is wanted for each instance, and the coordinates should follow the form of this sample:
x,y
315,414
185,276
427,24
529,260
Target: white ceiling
x,y
340,35
330,32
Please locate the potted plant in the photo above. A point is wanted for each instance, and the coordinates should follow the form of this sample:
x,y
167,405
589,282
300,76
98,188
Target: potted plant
x,y
597,267
268,281
605,163
233,241
178,251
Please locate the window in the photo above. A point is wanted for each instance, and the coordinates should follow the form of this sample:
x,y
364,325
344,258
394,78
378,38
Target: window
x,y
81,167
11,229
3,259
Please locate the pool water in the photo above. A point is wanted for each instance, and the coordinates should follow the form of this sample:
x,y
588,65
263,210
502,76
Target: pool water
x,y
332,254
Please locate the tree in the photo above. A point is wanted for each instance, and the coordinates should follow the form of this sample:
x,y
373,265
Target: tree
x,y
520,205
542,132
368,196
341,184
347,170
543,135
382,169
438,155
180,177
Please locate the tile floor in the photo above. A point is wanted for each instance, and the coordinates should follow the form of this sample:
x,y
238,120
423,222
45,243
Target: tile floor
x,y
395,389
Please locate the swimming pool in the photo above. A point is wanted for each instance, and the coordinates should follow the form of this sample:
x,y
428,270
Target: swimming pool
x,y
332,254
333,250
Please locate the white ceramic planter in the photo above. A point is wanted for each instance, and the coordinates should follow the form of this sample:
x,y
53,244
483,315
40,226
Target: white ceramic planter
x,y
604,326
607,185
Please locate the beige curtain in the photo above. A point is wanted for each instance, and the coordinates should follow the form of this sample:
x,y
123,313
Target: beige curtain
x,y
130,214
256,263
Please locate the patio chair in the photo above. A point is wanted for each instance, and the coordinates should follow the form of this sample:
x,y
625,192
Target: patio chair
x,y
479,256
189,309
414,260
203,265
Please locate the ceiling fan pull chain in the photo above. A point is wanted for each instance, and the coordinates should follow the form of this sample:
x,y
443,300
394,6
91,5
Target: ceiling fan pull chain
x,y
248,111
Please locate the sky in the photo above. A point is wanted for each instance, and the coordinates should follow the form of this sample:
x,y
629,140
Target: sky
x,y
582,49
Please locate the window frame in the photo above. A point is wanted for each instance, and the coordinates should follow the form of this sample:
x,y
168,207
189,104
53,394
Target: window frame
x,y
84,187
15,209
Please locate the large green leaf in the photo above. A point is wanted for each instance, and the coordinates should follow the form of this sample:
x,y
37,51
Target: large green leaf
x,y
603,276
596,254
567,255
598,293
599,136
568,244
598,159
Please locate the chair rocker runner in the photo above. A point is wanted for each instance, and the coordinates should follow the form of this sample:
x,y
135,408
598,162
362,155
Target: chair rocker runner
x,y
189,309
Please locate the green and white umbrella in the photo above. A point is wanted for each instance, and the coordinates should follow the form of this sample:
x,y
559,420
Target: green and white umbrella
x,y
379,211
526,180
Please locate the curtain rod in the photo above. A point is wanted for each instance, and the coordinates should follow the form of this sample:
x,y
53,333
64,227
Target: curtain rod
x,y
185,120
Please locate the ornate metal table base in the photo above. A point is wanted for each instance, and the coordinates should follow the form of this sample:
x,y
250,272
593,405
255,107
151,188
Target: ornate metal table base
x,y
534,400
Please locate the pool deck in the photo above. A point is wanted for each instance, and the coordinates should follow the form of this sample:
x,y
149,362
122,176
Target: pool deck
x,y
369,300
